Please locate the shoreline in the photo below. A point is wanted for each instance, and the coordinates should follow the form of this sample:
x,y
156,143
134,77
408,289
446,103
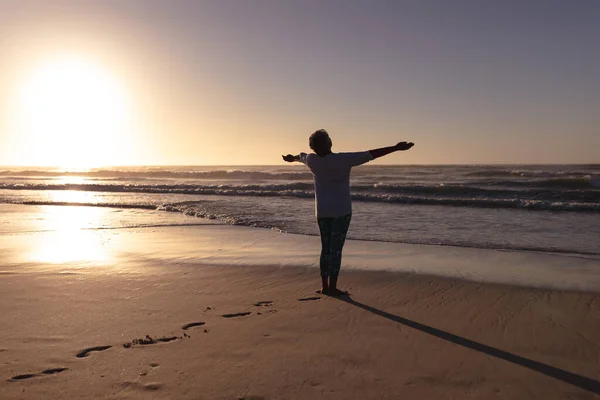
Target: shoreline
x,y
49,235
206,221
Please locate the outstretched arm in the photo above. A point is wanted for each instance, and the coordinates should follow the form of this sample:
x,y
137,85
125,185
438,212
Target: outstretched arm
x,y
291,158
384,151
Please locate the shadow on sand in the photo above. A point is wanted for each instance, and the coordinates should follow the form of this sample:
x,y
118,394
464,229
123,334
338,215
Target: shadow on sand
x,y
580,381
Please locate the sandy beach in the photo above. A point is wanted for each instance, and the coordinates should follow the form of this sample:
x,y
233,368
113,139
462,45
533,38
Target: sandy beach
x,y
299,200
222,312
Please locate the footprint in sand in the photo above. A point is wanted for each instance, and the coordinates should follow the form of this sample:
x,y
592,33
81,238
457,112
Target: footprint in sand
x,y
53,371
192,325
309,298
153,366
150,340
86,352
22,377
265,303
240,314
152,386
50,371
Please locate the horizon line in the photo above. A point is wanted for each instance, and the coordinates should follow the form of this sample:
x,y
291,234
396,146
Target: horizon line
x,y
292,164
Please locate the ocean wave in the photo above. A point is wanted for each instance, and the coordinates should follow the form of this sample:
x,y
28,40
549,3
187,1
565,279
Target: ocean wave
x,y
164,189
570,183
527,173
584,182
166,174
139,206
586,196
574,201
575,193
517,203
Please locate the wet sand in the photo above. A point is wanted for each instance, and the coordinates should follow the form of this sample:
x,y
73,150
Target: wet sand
x,y
154,317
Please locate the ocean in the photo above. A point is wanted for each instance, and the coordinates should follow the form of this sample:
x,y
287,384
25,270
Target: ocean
x,y
536,208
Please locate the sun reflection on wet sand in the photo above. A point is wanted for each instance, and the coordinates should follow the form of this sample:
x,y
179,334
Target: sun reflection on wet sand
x,y
68,239
72,196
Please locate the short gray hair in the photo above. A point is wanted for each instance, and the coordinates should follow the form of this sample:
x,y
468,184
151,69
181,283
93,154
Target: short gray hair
x,y
318,139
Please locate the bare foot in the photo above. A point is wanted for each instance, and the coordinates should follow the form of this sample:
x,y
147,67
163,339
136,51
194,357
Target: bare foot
x,y
335,292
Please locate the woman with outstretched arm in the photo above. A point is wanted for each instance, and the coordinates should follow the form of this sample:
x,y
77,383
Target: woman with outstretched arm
x,y
333,205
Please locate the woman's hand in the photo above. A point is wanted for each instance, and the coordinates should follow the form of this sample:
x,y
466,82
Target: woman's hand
x,y
404,145
289,158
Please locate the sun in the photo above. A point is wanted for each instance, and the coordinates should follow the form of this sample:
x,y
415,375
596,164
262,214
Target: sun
x,y
73,113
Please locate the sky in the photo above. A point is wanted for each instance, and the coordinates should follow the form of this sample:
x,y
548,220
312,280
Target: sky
x,y
240,82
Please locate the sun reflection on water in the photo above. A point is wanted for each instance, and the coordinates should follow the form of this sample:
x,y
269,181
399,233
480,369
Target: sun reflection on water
x,y
71,237
70,180
73,196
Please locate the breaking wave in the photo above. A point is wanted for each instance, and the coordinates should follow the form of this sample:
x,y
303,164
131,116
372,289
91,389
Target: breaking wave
x,y
458,196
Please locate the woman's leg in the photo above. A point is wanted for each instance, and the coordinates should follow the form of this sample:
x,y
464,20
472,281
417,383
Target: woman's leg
x,y
325,226
339,229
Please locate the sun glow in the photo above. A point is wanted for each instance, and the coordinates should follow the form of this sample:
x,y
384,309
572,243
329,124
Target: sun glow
x,y
72,113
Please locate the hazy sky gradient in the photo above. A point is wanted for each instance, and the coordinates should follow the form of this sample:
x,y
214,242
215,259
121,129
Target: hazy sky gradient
x,y
241,82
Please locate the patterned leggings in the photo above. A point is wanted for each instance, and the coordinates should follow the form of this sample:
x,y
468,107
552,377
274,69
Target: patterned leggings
x,y
333,236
